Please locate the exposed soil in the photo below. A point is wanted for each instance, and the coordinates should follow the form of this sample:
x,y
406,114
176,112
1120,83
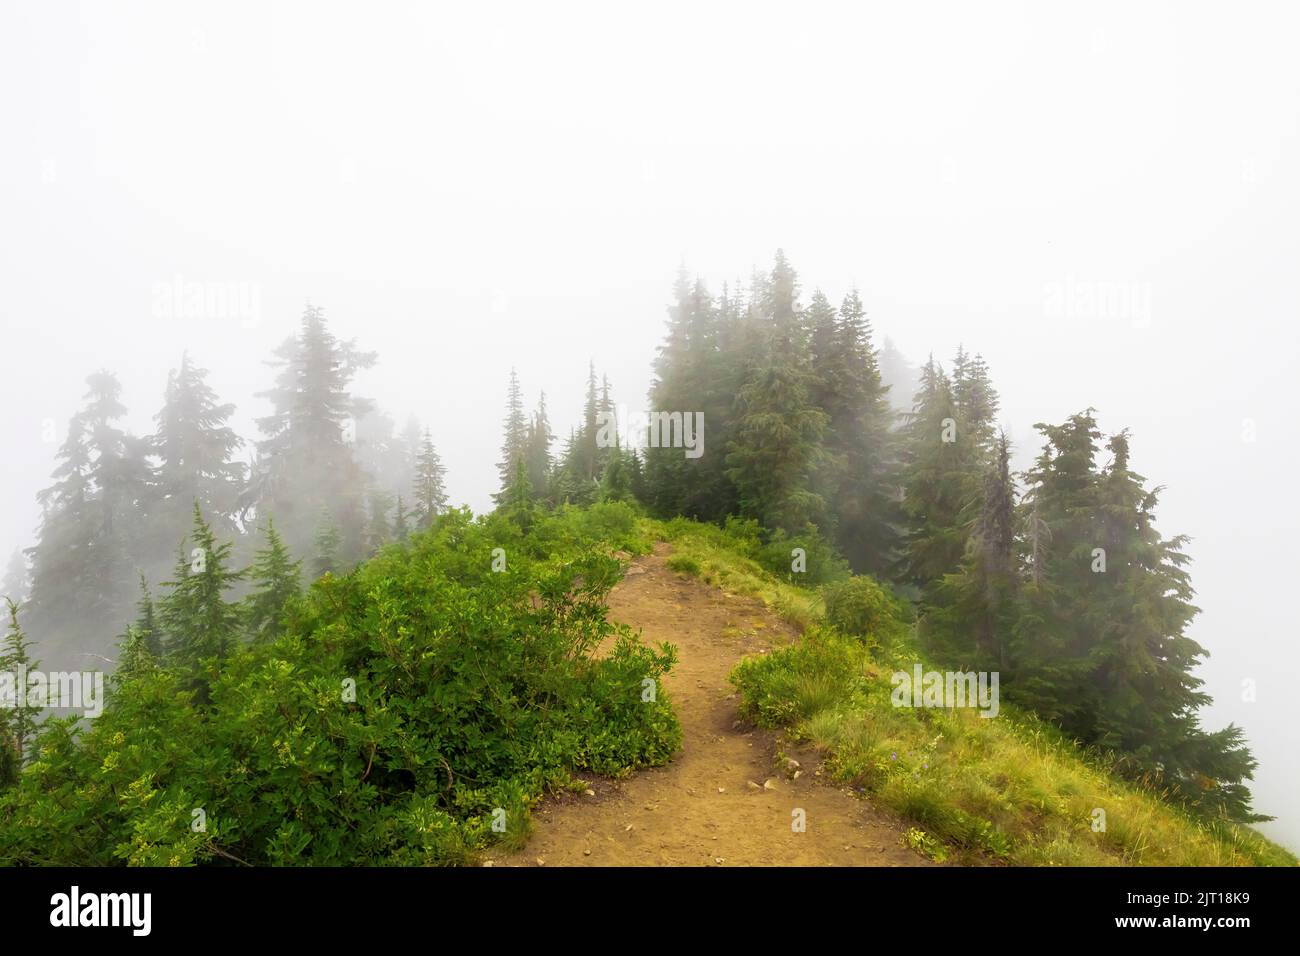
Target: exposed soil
x,y
722,800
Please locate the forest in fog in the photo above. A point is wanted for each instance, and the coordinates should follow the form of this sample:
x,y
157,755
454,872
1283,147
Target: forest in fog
x,y
702,435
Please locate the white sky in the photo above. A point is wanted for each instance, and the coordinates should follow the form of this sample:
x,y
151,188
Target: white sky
x,y
464,190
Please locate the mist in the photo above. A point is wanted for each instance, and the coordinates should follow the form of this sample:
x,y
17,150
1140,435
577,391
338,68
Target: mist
x,y
1096,201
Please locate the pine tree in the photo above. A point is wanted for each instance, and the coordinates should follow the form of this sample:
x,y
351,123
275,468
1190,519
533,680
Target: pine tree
x,y
146,623
515,440
942,478
276,580
973,613
18,720
540,463
588,453
326,545
15,583
665,467
89,539
616,479
519,505
194,446
401,524
776,445
305,462
1100,644
200,624
134,659
859,439
378,530
430,493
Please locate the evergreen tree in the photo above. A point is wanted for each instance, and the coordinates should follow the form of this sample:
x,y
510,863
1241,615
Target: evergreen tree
x,y
18,720
519,505
776,446
401,524
1100,644
276,580
941,474
588,453
326,545
305,462
146,625
200,624
90,534
974,611
15,582
134,658
430,493
194,446
378,530
515,440
540,463
859,439
616,479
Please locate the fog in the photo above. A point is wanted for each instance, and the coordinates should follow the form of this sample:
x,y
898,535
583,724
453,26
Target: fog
x,y
1103,202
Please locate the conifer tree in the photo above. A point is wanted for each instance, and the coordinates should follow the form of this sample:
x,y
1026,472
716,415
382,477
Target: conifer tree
x,y
1100,644
540,463
146,623
200,623
401,522
15,582
134,659
195,445
18,719
90,534
515,440
378,530
306,462
616,479
276,580
941,484
776,447
860,440
325,558
519,505
430,493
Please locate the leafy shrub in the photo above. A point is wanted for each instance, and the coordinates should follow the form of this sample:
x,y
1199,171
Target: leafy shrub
x,y
475,690
860,607
822,563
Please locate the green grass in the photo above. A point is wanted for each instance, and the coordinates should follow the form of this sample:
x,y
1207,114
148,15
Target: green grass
x,y
1009,789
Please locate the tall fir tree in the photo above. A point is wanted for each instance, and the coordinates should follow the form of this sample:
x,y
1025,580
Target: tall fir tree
x,y
276,580
195,448
515,438
19,718
430,492
776,446
538,451
325,545
306,460
201,625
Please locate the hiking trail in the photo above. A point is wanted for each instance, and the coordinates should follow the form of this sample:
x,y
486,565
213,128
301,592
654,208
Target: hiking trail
x,y
722,800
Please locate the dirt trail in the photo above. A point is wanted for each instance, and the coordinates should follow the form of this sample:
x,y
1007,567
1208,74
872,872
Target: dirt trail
x,y
701,810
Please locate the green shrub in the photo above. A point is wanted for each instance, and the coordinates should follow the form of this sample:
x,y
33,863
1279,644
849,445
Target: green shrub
x,y
684,564
821,563
408,707
860,607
